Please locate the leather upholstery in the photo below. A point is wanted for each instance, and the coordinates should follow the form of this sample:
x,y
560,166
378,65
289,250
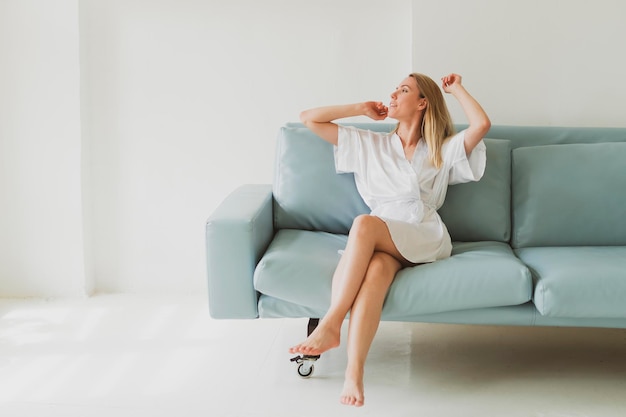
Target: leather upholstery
x,y
555,195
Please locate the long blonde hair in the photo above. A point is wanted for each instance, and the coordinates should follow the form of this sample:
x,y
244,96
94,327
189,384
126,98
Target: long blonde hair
x,y
436,124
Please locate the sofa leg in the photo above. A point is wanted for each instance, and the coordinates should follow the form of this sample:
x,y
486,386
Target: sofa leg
x,y
305,362
312,326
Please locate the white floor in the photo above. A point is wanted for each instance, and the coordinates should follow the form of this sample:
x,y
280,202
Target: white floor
x,y
121,355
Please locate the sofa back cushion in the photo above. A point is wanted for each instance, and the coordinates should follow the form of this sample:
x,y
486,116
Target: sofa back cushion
x,y
310,195
569,195
481,210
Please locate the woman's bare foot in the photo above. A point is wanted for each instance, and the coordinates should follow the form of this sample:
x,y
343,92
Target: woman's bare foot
x,y
322,339
352,393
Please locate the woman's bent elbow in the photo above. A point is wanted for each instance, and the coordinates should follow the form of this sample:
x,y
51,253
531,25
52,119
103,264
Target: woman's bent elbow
x,y
304,117
484,126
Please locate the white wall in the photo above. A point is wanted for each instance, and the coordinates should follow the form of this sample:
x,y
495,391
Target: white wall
x,y
109,186
533,62
41,233
182,101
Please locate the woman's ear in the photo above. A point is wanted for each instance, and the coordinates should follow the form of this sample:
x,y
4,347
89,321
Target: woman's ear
x,y
423,104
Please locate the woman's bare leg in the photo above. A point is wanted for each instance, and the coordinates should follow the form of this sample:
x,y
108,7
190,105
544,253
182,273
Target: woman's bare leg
x,y
367,235
364,320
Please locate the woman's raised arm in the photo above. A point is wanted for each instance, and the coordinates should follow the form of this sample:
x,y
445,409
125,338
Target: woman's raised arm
x,y
479,122
320,119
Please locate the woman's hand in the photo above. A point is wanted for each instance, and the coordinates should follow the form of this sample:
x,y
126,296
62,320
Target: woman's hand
x,y
375,110
450,82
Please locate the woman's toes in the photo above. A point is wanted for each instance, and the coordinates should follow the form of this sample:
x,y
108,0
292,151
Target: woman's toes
x,y
353,393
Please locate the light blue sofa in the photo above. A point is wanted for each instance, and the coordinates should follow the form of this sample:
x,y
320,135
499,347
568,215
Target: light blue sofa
x,y
540,240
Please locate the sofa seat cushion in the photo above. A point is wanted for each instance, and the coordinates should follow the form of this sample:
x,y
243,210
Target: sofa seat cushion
x,y
298,268
578,282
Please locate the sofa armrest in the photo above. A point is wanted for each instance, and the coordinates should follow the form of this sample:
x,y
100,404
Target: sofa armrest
x,y
237,235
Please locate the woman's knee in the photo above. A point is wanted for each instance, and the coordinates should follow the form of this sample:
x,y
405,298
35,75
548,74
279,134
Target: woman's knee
x,y
373,230
365,224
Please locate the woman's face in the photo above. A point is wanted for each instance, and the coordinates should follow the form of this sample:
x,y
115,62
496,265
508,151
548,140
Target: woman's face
x,y
405,100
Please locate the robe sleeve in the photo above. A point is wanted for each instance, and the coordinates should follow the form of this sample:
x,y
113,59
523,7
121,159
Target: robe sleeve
x,y
348,150
463,167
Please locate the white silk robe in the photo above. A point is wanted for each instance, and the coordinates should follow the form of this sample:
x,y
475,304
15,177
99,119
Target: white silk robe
x,y
407,194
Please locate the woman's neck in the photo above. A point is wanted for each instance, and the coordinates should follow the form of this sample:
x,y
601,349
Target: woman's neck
x,y
410,133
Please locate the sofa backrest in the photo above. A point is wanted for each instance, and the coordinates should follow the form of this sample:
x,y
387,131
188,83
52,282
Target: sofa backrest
x,y
566,184
310,195
525,136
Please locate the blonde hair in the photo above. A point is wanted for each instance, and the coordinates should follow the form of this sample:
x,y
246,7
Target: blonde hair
x,y
436,123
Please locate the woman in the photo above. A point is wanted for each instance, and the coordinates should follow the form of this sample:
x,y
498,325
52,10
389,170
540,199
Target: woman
x,y
403,177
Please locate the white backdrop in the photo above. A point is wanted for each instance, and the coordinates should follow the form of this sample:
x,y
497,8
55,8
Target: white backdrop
x,y
184,100
533,62
41,223
124,123
179,103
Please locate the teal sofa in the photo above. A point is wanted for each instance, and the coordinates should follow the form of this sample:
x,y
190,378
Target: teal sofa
x,y
540,240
